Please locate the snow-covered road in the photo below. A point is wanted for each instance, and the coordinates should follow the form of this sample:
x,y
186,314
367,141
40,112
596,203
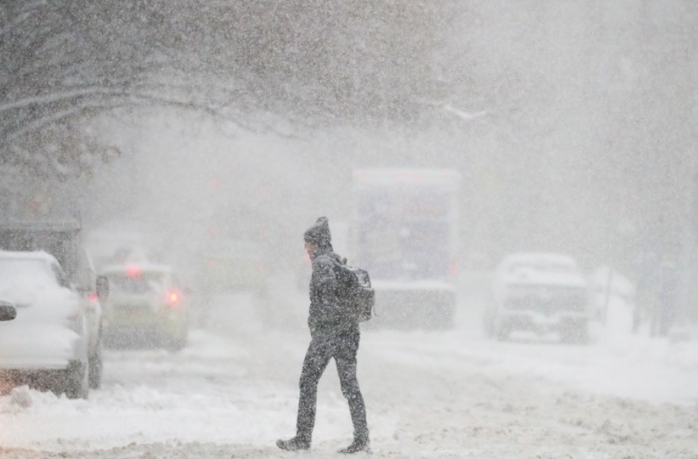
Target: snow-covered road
x,y
233,391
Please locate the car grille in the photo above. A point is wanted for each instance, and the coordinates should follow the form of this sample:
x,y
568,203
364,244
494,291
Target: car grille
x,y
550,300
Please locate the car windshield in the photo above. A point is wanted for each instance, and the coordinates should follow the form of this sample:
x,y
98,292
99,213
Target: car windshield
x,y
17,270
137,282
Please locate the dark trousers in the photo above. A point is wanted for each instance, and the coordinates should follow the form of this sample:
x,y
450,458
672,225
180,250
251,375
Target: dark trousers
x,y
342,346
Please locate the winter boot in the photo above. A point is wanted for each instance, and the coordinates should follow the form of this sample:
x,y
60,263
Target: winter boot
x,y
294,444
359,444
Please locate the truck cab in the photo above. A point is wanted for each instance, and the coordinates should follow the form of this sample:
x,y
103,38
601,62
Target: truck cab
x,y
404,232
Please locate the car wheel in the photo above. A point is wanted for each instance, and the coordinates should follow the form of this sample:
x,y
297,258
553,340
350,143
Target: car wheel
x,y
95,368
77,383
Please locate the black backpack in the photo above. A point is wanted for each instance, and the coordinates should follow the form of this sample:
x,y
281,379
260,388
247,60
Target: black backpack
x,y
355,291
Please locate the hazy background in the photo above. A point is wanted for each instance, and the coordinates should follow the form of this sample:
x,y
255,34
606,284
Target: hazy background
x,y
572,123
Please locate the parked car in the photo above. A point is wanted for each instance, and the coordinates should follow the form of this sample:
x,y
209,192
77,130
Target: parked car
x,y
146,305
46,345
60,236
541,293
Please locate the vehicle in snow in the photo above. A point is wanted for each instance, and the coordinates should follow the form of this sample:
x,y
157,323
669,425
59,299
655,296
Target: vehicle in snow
x,y
61,238
540,293
404,232
232,255
145,306
46,345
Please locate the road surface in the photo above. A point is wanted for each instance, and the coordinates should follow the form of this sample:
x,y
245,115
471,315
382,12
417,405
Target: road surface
x,y
233,391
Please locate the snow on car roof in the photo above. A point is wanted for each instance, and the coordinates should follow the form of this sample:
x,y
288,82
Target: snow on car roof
x,y
33,255
541,268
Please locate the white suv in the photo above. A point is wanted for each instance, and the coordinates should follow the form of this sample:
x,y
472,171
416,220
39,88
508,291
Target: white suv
x,y
46,345
539,292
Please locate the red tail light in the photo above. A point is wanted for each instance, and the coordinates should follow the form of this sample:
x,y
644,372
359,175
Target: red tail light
x,y
173,298
92,297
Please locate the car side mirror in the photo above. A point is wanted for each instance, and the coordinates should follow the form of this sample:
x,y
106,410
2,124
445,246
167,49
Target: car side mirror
x,y
102,287
7,310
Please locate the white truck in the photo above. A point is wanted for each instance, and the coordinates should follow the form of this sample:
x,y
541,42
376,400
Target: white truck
x,y
404,232
539,293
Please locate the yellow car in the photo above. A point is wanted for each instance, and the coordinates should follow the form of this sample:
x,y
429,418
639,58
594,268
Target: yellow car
x,y
146,306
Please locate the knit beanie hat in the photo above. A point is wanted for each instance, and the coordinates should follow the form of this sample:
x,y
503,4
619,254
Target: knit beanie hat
x,y
319,233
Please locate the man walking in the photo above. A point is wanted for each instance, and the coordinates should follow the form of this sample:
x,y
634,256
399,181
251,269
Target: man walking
x,y
334,334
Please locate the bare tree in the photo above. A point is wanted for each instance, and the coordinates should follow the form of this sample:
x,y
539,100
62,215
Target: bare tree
x,y
309,61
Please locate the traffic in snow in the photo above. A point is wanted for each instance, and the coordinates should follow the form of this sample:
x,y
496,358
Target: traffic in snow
x,y
392,229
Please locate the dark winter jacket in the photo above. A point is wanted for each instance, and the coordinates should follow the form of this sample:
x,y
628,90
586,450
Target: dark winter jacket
x,y
326,311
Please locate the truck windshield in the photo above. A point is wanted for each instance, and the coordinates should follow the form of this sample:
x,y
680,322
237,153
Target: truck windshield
x,y
405,233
